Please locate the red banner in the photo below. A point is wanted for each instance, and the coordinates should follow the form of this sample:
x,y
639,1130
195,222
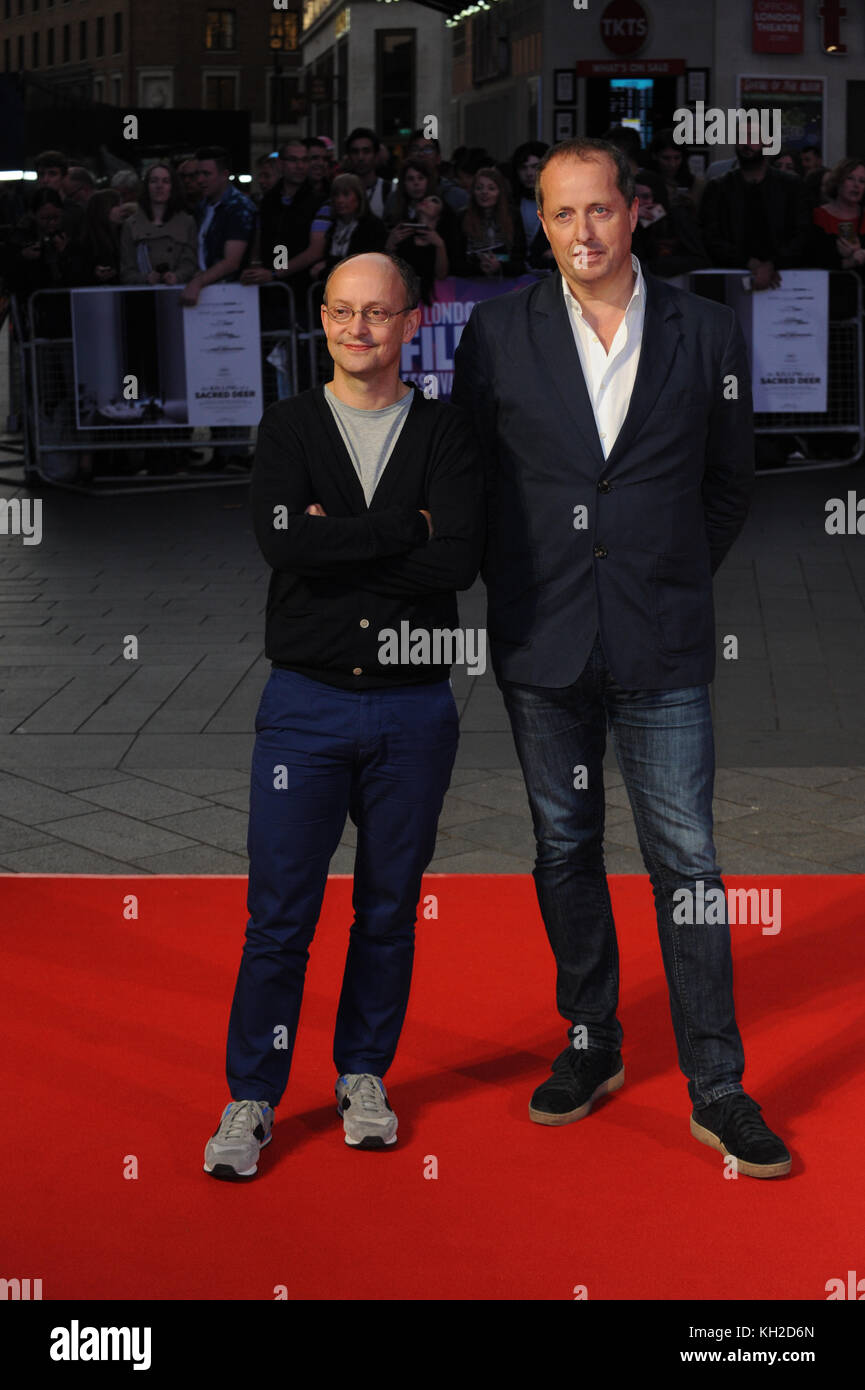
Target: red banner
x,y
634,67
778,26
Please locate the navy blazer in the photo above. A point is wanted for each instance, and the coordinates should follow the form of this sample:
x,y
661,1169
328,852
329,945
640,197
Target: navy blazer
x,y
661,511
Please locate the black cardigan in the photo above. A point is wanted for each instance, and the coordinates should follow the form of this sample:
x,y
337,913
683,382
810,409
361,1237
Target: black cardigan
x,y
338,581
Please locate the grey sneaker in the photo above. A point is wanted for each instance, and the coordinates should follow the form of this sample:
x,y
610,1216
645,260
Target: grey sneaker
x,y
232,1150
367,1118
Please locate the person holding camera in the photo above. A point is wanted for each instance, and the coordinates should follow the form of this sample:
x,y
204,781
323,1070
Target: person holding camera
x,y
159,242
42,255
493,239
423,229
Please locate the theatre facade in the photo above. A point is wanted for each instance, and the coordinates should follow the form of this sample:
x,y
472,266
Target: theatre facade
x,y
549,70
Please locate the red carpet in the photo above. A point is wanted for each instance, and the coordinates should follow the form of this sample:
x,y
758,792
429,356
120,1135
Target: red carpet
x,y
114,1050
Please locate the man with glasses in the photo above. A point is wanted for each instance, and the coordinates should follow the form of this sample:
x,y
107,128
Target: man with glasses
x,y
191,179
367,505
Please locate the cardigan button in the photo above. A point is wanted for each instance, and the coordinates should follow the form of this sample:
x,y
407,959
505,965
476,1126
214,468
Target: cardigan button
x,y
364,622
358,671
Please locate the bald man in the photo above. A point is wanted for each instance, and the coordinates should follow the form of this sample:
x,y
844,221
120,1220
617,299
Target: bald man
x,y
366,501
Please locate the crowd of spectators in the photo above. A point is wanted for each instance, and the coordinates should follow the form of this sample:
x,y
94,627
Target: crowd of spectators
x,y
187,222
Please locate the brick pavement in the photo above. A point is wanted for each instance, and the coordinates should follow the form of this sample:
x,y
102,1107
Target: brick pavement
x,y
116,766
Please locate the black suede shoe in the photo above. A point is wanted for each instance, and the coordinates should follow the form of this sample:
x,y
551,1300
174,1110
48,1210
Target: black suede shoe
x,y
579,1077
733,1126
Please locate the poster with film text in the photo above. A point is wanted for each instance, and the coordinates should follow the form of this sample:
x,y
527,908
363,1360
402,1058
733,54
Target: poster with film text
x,y
428,359
790,343
143,359
221,344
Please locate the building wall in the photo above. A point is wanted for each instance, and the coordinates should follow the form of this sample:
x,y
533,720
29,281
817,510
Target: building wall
x,y
713,34
432,58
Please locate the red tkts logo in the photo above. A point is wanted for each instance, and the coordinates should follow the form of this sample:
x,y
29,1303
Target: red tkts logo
x,y
624,27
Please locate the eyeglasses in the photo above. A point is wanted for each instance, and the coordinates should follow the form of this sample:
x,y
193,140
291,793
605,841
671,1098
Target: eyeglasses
x,y
342,314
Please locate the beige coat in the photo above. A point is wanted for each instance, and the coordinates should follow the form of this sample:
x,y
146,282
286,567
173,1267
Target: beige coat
x,y
174,242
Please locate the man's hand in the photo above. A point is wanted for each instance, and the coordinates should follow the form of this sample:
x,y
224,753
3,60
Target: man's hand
x,y
169,278
315,510
428,521
764,276
257,275
190,292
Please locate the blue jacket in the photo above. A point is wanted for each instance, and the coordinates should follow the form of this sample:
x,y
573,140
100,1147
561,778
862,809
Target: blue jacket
x,y
662,510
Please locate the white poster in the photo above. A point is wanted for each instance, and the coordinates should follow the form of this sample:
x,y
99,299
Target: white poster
x,y
790,343
222,352
143,359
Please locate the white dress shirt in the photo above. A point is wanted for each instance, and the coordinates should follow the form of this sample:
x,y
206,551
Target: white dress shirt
x,y
610,376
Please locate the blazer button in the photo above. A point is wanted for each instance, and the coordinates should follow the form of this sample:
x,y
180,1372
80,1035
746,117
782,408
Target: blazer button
x,y
364,622
604,486
357,671
600,552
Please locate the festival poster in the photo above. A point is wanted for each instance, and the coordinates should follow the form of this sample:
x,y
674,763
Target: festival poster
x,y
222,353
790,343
144,360
428,359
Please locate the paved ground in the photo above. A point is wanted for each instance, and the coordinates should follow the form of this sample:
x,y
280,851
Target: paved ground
x,y
111,766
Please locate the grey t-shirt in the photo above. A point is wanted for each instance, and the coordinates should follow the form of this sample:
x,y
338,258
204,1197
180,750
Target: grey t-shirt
x,y
370,436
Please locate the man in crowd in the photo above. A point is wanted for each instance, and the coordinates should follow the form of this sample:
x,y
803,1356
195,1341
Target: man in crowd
x,y
78,186
191,182
226,224
756,216
286,214
620,468
367,505
813,171
428,149
268,171
226,228
361,149
52,169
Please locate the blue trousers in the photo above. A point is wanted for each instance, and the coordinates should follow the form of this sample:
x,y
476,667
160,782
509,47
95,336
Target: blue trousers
x,y
665,748
384,758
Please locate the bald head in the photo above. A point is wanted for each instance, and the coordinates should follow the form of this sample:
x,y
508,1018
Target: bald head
x,y
371,274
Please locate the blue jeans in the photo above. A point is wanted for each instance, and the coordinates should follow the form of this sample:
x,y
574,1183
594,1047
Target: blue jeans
x,y
664,744
383,757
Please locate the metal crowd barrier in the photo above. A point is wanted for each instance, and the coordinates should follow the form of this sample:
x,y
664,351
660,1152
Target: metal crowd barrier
x,y
320,360
51,435
845,399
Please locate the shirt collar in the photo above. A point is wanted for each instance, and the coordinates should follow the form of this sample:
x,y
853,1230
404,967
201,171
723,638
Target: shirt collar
x,y
638,291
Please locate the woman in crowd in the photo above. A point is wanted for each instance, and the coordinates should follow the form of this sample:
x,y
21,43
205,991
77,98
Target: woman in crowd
x,y
159,242
666,239
668,159
352,228
423,229
100,238
494,243
839,224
